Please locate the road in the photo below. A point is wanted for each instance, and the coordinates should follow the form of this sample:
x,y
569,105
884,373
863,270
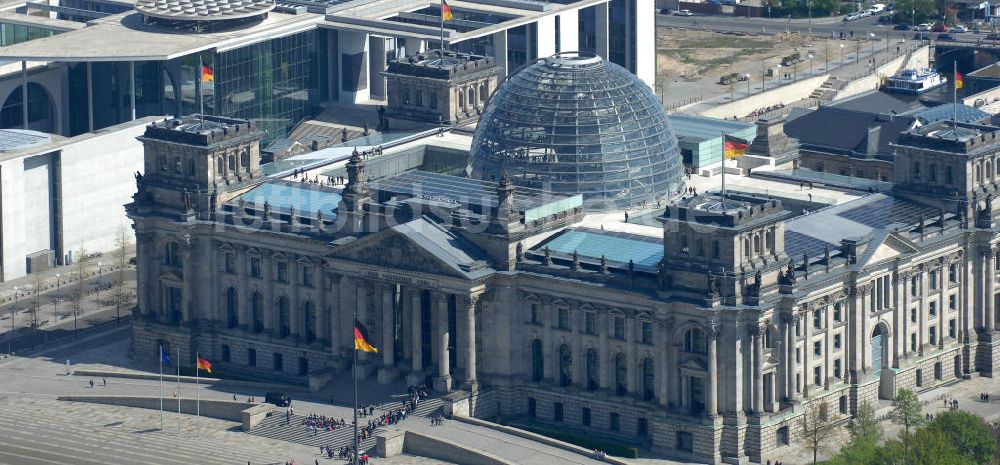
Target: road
x,y
826,27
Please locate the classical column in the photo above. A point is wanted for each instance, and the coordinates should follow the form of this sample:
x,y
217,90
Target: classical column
x,y
550,362
758,367
187,244
990,275
388,348
131,89
803,325
789,328
331,307
361,287
664,355
632,356
470,342
415,331
604,375
713,370
443,381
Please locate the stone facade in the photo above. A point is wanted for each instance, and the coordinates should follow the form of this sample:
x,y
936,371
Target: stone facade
x,y
711,355
429,88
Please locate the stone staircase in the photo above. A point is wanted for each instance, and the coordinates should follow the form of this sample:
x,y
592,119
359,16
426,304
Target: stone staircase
x,y
828,90
274,427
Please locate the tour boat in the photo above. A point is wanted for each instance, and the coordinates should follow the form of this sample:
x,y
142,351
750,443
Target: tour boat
x,y
915,81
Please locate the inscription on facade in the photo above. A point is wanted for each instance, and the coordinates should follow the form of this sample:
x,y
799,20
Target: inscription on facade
x,y
399,278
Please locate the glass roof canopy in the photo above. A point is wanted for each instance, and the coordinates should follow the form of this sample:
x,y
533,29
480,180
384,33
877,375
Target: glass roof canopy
x,y
573,124
617,247
307,199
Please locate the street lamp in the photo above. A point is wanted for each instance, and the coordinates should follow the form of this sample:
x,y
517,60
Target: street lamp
x,y
748,84
841,54
55,301
811,63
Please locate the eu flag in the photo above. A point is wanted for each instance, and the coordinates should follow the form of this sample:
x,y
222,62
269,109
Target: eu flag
x,y
164,357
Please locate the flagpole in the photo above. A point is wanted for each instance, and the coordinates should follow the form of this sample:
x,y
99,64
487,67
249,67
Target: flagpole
x,y
723,171
442,32
161,387
201,90
197,392
354,374
954,95
178,390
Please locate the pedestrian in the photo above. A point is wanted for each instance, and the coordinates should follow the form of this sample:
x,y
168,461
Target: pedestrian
x,y
234,397
104,381
91,384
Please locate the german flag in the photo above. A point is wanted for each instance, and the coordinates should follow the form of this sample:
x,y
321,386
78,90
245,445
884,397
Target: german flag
x,y
361,341
207,74
204,365
959,80
734,147
446,11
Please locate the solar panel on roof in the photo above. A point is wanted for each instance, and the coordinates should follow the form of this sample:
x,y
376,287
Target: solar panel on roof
x,y
615,247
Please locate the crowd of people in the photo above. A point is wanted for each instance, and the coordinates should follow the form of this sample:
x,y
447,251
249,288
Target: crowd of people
x,y
315,423
766,110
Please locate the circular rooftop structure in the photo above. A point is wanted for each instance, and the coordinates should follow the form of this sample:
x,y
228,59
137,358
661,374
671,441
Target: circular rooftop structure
x,y
576,124
203,12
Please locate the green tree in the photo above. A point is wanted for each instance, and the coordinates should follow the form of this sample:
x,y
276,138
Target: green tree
x,y
819,428
970,435
907,411
916,11
866,425
122,296
860,451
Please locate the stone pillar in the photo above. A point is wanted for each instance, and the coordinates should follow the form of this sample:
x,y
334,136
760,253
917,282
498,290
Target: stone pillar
x,y
604,375
470,343
664,354
388,349
187,245
332,309
362,302
443,381
803,321
548,367
758,367
989,274
713,370
417,355
632,359
789,327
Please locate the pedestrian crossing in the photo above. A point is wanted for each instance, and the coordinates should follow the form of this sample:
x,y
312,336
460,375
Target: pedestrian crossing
x,y
292,430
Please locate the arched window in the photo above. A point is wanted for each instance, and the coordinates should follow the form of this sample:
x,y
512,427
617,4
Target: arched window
x,y
537,362
245,158
565,365
172,254
232,163
746,247
701,247
621,375
979,174
257,308
284,320
593,367
219,167
40,113
694,341
648,380
768,240
461,99
715,249
232,308
309,323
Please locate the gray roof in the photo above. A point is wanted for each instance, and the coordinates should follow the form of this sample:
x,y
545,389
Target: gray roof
x,y
456,252
946,112
835,130
880,102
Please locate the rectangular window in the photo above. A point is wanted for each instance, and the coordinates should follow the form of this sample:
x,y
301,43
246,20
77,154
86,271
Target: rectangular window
x,y
953,274
532,411
647,332
281,271
932,278
818,319
798,328
952,302
307,275
913,286
798,355
836,368
932,308
614,422
798,382
818,348
837,312
913,315
534,313
585,416
557,412
836,341
619,327
952,329
913,342
434,101
279,362
251,357
642,427
563,315
303,366
254,267
818,376
685,441
420,98
225,352
933,335
590,322
230,263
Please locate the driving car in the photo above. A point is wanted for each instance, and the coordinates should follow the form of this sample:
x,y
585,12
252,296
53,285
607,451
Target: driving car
x,y
902,27
939,27
921,36
684,13
923,27
947,37
277,398
959,29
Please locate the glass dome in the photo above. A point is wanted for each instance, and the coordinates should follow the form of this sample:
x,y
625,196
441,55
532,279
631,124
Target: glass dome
x,y
575,124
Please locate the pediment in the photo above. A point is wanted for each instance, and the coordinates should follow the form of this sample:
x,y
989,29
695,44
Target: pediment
x,y
892,247
693,364
391,248
171,276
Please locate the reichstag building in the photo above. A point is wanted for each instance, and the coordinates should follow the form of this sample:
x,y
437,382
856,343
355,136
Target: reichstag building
x,y
701,327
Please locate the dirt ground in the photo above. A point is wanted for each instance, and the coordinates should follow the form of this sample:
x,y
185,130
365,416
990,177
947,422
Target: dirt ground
x,y
690,63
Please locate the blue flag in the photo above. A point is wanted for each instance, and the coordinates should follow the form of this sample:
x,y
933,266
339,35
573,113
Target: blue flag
x,y
164,357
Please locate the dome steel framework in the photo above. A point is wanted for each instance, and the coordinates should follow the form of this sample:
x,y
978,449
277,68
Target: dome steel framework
x,y
578,124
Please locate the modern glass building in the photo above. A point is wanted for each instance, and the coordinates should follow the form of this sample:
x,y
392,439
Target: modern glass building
x,y
576,124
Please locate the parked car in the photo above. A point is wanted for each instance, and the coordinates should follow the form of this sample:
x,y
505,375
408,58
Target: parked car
x,y
684,13
939,27
890,7
947,37
959,29
902,27
851,17
923,27
921,36
277,398
993,36
885,19
865,14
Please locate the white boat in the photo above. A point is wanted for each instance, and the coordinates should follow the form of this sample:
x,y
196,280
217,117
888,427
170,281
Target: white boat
x,y
914,81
